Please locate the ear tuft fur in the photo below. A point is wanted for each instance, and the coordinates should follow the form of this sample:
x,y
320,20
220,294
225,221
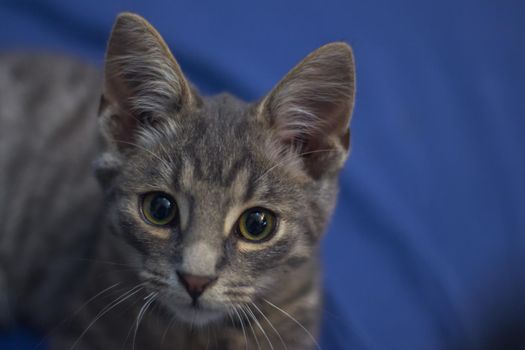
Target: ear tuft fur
x,y
310,109
143,82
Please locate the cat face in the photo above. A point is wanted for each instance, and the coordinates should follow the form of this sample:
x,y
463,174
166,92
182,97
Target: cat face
x,y
223,201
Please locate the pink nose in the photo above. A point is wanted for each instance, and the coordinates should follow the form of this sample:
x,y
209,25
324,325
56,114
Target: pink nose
x,y
195,285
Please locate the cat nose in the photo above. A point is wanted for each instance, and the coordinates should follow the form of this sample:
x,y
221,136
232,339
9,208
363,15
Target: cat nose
x,y
195,285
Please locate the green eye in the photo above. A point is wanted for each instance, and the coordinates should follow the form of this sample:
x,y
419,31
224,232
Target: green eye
x,y
256,224
159,208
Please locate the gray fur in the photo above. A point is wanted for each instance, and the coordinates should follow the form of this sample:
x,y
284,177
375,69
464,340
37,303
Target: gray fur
x,y
49,201
217,157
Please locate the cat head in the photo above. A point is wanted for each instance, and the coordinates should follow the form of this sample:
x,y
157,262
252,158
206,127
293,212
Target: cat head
x,y
222,201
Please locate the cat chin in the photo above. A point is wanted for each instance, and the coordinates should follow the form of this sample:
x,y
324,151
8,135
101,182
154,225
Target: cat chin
x,y
196,316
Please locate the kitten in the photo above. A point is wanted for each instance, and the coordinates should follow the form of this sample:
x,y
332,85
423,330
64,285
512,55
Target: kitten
x,y
213,208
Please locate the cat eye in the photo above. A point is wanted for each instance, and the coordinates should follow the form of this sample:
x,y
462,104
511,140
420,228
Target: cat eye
x,y
256,224
159,209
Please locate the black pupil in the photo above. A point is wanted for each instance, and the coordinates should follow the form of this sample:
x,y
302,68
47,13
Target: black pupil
x,y
161,207
256,223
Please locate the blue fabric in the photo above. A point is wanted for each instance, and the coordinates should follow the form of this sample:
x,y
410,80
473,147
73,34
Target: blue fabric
x,y
427,246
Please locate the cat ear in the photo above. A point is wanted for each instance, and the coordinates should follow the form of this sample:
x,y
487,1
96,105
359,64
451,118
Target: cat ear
x,y
143,82
310,108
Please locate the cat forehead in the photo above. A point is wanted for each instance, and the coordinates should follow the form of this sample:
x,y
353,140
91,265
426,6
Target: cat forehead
x,y
211,142
212,136
220,122
222,110
218,144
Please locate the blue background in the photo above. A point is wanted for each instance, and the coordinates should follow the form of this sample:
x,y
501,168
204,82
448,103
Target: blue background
x,y
427,247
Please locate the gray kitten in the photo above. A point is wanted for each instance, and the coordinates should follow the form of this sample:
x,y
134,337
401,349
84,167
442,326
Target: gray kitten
x,y
213,209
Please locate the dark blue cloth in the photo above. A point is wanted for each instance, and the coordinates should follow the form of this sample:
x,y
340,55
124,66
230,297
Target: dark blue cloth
x,y
427,247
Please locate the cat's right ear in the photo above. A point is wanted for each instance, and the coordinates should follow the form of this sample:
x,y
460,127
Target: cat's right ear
x,y
143,83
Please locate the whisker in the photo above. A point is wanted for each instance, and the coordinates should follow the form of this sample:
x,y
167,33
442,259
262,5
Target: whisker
x,y
242,326
251,327
271,325
297,322
108,308
150,298
286,159
172,319
75,313
259,325
290,158
124,343
163,161
228,310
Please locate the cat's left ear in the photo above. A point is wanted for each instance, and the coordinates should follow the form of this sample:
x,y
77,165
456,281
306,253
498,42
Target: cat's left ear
x,y
309,110
143,82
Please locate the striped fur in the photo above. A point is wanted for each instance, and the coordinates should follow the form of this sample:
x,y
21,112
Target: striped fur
x,y
49,201
216,157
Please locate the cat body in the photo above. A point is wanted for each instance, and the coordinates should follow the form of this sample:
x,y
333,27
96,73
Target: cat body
x,y
207,236
50,202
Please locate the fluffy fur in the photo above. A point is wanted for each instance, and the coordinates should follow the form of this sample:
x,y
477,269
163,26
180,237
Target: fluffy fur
x,y
216,157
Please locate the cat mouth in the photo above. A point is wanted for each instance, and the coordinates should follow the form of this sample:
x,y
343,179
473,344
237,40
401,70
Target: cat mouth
x,y
194,311
196,314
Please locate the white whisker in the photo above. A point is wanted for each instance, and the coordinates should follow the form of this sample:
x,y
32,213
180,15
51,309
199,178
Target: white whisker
x,y
166,331
108,308
289,158
76,312
271,325
163,161
259,325
251,327
150,298
242,326
297,322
